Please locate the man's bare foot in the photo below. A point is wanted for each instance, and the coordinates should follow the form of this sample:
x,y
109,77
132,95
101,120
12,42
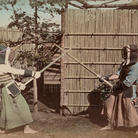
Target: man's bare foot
x,y
107,128
2,131
28,130
136,132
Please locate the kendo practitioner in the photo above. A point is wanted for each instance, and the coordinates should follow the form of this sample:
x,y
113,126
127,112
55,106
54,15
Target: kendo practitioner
x,y
120,106
15,111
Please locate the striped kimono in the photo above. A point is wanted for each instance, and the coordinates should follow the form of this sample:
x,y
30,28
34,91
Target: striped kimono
x,y
15,111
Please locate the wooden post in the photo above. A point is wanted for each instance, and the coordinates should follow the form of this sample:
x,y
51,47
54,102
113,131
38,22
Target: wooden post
x,y
62,61
35,68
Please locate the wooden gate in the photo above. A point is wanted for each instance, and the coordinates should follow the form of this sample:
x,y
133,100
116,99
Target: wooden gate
x,y
101,35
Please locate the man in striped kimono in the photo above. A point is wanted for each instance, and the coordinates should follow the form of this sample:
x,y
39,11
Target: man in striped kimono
x,y
15,111
119,107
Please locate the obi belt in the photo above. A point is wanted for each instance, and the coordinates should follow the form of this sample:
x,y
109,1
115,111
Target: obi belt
x,y
5,78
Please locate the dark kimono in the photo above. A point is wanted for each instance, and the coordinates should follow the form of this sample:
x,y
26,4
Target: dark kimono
x,y
119,107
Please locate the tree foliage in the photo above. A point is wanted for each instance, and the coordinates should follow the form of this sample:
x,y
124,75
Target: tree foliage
x,y
35,29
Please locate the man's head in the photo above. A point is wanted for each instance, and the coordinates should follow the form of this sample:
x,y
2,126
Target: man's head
x,y
130,54
6,54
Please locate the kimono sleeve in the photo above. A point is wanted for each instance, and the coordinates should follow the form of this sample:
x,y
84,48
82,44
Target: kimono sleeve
x,y
15,71
132,76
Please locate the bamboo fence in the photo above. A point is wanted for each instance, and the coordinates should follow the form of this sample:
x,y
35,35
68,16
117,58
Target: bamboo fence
x,y
102,34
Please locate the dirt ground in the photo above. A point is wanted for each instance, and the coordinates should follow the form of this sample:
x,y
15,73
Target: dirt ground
x,y
53,125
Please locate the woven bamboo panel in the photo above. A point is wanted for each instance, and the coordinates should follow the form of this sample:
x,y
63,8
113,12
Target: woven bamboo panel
x,y
104,50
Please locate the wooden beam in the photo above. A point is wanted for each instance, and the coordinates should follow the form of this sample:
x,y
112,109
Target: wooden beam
x,y
85,91
85,4
129,7
52,82
80,77
77,91
94,48
132,5
110,1
121,6
72,4
101,34
82,2
95,63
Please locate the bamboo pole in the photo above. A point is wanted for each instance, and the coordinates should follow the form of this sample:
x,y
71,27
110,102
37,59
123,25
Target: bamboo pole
x,y
96,63
49,65
87,67
101,34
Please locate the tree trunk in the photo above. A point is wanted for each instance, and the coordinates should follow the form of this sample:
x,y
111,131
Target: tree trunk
x,y
35,68
35,96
